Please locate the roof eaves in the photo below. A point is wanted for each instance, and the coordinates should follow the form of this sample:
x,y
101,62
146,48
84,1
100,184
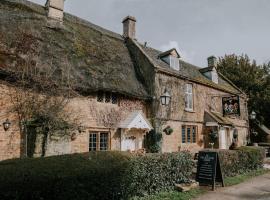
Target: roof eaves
x,y
168,52
173,73
231,83
144,53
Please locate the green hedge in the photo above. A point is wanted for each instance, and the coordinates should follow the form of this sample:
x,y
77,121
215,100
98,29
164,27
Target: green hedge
x,y
242,160
103,175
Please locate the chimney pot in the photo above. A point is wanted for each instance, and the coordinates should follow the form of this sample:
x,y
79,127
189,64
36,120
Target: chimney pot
x,y
129,27
55,9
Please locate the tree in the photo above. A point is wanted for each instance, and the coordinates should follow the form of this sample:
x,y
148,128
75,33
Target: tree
x,y
253,79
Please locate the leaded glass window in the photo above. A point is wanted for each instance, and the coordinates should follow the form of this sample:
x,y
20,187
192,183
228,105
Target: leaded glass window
x,y
100,96
189,134
114,98
104,141
93,141
99,141
107,97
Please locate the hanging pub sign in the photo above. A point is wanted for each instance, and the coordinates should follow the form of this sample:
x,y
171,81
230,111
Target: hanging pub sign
x,y
231,105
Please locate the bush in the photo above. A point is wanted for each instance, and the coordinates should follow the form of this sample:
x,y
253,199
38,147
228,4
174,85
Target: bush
x,y
100,175
242,160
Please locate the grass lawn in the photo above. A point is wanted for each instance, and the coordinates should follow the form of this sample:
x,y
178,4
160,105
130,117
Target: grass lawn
x,y
243,177
175,195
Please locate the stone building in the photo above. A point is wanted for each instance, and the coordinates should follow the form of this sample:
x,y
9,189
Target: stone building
x,y
126,88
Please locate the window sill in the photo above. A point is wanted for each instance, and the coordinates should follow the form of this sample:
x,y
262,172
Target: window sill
x,y
191,111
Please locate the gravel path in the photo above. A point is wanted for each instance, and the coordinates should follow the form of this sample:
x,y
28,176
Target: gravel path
x,y
257,188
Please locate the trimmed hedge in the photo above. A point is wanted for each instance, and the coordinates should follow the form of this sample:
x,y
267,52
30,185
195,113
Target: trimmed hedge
x,y
102,175
242,160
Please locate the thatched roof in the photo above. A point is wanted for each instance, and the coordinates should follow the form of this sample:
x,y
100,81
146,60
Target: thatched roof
x,y
91,57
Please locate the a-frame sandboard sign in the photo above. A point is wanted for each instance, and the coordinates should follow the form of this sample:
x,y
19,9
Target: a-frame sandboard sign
x,y
209,169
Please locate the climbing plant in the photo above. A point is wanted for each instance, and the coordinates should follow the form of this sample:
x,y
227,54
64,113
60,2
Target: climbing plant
x,y
153,141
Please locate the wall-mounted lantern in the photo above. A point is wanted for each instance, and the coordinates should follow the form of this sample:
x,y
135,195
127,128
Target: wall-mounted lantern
x,y
165,98
253,115
6,124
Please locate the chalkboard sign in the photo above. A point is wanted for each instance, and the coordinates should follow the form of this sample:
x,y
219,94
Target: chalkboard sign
x,y
208,169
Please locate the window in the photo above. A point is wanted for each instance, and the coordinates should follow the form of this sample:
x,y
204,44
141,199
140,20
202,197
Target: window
x,y
114,98
99,141
174,62
100,96
104,141
107,97
93,142
189,134
188,97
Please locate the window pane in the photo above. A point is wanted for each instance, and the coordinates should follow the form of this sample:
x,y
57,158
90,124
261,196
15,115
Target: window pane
x,y
188,97
93,142
186,101
100,97
188,134
190,101
183,134
194,134
107,97
114,98
104,140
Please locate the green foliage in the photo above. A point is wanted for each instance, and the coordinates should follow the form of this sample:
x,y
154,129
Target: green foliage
x,y
92,176
168,130
152,141
253,79
213,135
242,160
159,172
243,177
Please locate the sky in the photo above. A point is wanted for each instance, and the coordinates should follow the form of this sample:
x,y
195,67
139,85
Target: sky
x,y
196,28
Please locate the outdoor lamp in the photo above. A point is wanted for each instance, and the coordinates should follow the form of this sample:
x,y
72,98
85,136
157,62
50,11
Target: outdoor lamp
x,y
6,124
253,115
165,98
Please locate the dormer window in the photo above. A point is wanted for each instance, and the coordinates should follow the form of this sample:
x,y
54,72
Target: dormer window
x,y
171,57
210,72
174,62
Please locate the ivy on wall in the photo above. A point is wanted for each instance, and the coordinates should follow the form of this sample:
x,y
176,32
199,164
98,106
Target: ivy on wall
x,y
153,141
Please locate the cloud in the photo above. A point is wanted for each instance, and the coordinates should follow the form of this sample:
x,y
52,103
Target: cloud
x,y
185,55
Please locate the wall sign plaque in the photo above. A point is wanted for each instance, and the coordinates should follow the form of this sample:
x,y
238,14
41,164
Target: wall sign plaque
x,y
209,169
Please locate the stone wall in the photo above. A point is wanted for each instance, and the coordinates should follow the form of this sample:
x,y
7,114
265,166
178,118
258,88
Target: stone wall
x,y
204,99
92,115
11,140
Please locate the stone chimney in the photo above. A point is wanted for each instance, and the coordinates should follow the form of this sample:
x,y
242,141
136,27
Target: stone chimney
x,y
212,61
55,9
129,27
212,73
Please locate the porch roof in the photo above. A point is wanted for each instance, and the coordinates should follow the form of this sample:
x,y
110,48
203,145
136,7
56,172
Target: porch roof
x,y
136,120
215,117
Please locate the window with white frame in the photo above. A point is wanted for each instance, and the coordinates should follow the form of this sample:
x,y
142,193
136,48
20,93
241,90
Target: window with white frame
x,y
174,62
188,97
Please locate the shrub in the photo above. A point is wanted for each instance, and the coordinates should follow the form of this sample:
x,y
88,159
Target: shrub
x,y
158,172
152,141
100,175
242,160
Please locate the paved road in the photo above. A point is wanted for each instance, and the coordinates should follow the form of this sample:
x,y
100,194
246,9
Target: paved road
x,y
257,188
